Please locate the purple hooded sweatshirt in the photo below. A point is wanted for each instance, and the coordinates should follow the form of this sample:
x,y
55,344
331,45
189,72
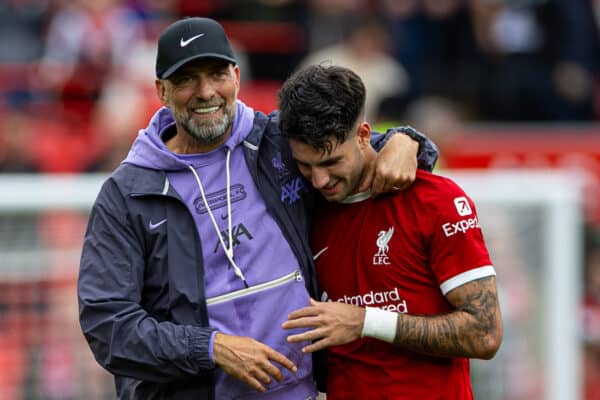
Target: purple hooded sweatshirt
x,y
252,292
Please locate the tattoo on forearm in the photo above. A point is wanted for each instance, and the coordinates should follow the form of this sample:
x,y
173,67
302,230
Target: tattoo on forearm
x,y
474,329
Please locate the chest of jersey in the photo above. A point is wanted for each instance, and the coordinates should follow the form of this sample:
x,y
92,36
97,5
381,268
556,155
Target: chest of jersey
x,y
375,254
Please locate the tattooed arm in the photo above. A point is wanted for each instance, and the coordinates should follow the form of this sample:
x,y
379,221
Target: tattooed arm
x,y
473,329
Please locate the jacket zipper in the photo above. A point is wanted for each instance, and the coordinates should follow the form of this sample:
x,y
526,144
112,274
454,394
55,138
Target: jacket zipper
x,y
298,252
294,276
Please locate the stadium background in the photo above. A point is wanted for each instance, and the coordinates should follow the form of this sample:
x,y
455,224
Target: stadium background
x,y
500,85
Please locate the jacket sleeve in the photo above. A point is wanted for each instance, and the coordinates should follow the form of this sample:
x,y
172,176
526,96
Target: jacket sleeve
x,y
428,151
124,338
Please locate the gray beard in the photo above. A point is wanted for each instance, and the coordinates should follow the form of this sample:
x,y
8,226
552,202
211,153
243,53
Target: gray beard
x,y
205,134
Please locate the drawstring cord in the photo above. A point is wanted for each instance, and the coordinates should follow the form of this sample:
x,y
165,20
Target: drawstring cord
x,y
228,249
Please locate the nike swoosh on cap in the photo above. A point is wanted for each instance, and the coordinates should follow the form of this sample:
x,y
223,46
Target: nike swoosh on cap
x,y
185,42
156,225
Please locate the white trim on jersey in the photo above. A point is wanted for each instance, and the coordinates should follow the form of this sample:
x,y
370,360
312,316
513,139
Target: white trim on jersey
x,y
467,276
357,197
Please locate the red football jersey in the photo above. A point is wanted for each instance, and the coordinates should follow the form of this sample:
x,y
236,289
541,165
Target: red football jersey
x,y
400,252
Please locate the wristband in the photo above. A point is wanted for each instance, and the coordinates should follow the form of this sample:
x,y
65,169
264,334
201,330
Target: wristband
x,y
380,324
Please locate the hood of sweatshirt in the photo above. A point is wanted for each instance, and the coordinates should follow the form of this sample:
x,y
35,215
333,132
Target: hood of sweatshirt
x,y
149,150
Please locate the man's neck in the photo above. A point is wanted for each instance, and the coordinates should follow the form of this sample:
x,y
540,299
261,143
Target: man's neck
x,y
369,162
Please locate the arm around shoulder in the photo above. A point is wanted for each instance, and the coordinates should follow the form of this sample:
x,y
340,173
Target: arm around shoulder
x,y
401,151
427,153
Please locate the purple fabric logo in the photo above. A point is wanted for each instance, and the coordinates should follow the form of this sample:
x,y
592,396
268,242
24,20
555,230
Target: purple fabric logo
x,y
280,168
291,187
237,232
291,191
218,199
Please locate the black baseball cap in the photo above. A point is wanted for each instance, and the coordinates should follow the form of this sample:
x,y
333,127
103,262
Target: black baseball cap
x,y
189,39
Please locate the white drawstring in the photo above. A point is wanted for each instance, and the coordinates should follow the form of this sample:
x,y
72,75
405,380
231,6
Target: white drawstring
x,y
228,249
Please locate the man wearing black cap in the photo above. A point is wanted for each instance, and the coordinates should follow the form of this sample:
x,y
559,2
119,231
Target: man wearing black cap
x,y
197,245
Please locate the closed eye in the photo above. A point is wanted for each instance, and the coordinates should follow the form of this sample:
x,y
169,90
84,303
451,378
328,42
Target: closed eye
x,y
302,164
330,162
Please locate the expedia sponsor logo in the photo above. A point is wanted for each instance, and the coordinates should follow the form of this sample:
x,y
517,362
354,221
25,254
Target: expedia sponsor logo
x,y
462,206
462,226
386,300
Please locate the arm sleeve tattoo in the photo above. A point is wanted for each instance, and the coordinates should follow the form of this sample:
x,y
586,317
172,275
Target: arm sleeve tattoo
x,y
473,329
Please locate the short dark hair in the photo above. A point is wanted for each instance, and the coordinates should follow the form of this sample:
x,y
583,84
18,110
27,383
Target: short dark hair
x,y
320,103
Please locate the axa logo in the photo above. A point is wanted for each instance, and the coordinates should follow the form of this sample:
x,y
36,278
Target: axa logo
x,y
292,186
291,191
237,232
383,239
462,206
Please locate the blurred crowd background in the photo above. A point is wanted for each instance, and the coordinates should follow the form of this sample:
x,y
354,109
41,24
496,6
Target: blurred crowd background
x,y
496,83
77,76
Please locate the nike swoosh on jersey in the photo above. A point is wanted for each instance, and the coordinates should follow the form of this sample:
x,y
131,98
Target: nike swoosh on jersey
x,y
319,253
185,42
156,225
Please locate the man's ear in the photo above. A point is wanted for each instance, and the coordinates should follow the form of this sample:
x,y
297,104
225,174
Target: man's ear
x,y
236,72
364,134
161,91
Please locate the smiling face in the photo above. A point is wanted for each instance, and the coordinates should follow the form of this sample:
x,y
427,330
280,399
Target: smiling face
x,y
338,173
202,97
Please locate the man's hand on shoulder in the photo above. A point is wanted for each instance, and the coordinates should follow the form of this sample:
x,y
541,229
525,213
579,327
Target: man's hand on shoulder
x,y
249,360
395,167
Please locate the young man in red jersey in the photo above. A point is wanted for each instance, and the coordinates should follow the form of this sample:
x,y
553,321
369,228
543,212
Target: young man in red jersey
x,y
407,286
